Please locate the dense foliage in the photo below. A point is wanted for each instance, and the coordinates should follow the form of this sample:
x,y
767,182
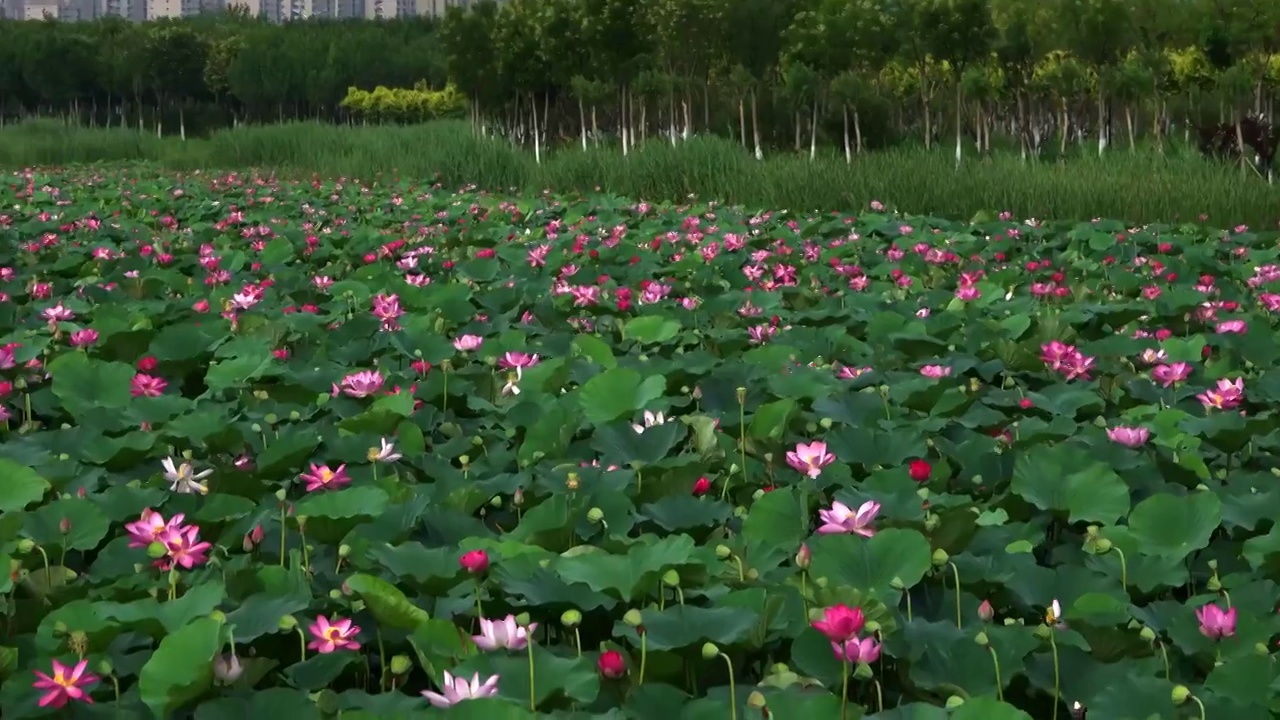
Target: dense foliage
x,y
768,72
311,449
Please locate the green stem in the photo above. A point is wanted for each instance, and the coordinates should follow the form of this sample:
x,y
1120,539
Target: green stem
x,y
742,577
804,593
444,394
733,689
1057,686
1227,595
995,661
844,689
382,658
907,595
644,655
284,530
742,447
577,641
48,575
879,697
1201,704
115,682
533,695
680,595
1164,652
479,609
1124,570
955,573
302,641
306,554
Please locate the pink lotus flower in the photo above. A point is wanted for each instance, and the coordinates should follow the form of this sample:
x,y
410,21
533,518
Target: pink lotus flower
x,y
321,477
840,519
457,689
935,371
1215,623
857,650
67,684
359,384
840,622
1171,373
184,546
1226,395
144,385
331,636
149,527
513,360
83,338
467,343
506,634
811,458
1129,436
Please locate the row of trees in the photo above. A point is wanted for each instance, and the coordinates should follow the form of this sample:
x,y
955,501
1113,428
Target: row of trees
x,y
223,68
1043,76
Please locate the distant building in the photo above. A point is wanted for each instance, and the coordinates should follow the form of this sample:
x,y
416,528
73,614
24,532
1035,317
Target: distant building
x,y
271,10
157,9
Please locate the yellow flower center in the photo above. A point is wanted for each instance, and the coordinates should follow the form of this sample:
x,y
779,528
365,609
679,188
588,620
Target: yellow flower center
x,y
333,633
325,476
373,454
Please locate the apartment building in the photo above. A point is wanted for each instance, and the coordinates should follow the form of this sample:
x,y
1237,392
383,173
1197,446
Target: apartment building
x,y
271,10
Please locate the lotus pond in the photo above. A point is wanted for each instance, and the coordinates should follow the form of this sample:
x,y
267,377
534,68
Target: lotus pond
x,y
337,449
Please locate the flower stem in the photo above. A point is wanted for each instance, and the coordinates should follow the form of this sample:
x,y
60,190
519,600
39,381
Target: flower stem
x,y
1164,652
1124,570
644,656
995,661
680,595
955,572
742,446
742,577
844,689
804,592
444,394
879,697
577,641
284,531
382,658
907,595
533,695
733,689
302,641
1201,705
48,575
479,592
1057,682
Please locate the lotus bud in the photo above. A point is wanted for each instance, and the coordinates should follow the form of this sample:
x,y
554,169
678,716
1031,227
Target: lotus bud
x,y
517,499
633,618
570,618
401,664
804,557
985,611
940,557
710,651
1180,694
756,700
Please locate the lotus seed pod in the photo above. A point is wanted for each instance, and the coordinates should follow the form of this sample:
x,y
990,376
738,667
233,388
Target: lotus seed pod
x,y
571,483
1042,631
709,651
335,594
752,574
758,494
261,394
295,416
1275,471
811,428
570,618
281,494
872,626
778,669
157,550
1221,474
26,545
495,501
1181,693
256,427
768,457
464,460
863,672
825,423
544,563
522,619
1010,621
982,639
954,702
218,616
633,618
740,512
105,667
932,522
1104,546
1100,422
595,515
671,578
897,584
684,389
923,493
756,700
64,456
1213,565
322,399
1261,649
1091,531
327,702
288,622
723,552
401,664
940,557
1214,584
644,358
271,419
741,392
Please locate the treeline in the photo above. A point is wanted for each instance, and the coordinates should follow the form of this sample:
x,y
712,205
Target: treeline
x,y
1042,76
208,71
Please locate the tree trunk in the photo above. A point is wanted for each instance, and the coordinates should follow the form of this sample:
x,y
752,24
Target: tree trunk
x,y
582,122
813,132
857,129
1128,121
755,125
742,121
848,151
959,121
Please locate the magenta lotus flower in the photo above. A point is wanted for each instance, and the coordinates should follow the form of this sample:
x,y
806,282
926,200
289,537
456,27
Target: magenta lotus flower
x,y
857,650
1215,623
458,689
513,360
1129,436
150,526
811,458
1226,395
359,384
321,477
467,343
1170,373
506,634
840,623
83,338
935,371
332,636
66,684
840,519
184,546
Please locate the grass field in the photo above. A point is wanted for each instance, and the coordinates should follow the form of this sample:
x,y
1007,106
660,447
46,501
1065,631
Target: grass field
x,y
1142,187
